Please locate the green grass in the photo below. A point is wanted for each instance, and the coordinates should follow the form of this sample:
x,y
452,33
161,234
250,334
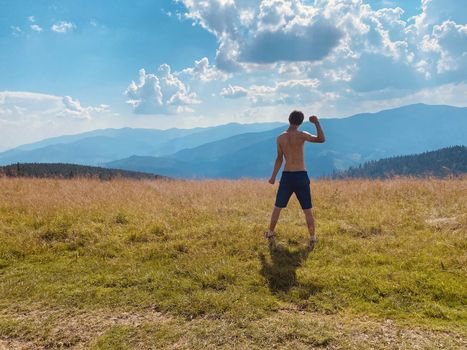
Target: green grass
x,y
183,264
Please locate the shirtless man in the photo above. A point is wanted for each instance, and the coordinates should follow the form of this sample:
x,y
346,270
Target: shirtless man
x,y
294,178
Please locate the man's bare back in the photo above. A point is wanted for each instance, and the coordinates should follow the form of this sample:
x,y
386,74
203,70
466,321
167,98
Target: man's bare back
x,y
290,145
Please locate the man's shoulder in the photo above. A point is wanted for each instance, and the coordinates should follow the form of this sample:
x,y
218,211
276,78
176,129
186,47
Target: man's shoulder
x,y
281,135
305,134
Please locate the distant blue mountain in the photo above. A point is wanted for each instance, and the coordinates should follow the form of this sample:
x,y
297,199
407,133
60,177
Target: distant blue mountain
x,y
349,142
100,146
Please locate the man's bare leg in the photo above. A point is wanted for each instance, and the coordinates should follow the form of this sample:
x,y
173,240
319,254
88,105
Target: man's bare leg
x,y
276,212
272,226
310,222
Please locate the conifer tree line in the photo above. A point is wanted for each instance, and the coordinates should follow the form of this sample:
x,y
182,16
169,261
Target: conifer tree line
x,y
449,161
69,171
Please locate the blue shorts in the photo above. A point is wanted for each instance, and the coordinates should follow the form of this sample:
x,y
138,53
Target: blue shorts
x,y
296,182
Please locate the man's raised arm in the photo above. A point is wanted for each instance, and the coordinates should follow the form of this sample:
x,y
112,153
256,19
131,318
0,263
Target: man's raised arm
x,y
277,164
311,138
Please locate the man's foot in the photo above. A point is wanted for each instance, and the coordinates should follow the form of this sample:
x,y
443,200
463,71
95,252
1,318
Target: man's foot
x,y
312,242
269,235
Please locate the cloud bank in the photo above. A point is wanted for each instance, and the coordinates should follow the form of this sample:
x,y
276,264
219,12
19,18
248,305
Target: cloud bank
x,y
29,116
345,46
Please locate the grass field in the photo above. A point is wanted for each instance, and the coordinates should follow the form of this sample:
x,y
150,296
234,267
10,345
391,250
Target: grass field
x,y
128,264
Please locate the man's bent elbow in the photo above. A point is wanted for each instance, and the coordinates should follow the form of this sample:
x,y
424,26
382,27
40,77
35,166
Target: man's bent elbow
x,y
319,140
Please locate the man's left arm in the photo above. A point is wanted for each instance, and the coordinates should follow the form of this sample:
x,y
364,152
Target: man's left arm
x,y
277,164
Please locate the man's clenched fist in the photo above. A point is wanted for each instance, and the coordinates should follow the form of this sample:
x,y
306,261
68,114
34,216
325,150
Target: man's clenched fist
x,y
313,119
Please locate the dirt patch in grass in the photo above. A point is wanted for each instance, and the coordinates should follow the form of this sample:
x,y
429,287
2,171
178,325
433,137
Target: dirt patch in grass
x,y
444,223
49,328
288,328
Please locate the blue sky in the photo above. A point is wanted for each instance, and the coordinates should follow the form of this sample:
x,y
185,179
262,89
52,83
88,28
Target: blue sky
x,y
110,41
67,66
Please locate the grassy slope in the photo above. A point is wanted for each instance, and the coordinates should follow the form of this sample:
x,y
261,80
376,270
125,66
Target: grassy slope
x,y
183,264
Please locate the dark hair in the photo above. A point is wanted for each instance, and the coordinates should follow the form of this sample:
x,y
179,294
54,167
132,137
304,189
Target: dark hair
x,y
296,118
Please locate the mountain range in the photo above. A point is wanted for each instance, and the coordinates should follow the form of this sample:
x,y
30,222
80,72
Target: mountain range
x,y
349,142
249,150
99,146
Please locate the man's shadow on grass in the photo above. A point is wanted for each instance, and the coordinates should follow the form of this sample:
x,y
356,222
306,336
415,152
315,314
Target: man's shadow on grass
x,y
281,271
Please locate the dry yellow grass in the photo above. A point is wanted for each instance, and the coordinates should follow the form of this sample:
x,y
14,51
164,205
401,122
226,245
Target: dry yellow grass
x,y
183,264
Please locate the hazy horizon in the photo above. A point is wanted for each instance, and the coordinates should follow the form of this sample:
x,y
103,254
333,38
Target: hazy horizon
x,y
285,122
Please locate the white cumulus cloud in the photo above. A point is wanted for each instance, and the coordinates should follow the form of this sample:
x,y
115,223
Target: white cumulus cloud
x,y
62,27
264,32
15,30
161,93
450,41
234,92
205,72
74,109
36,28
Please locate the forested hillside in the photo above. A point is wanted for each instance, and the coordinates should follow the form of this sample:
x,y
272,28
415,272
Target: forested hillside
x,y
439,163
68,171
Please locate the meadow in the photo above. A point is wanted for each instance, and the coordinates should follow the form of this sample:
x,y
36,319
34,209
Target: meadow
x,y
162,264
